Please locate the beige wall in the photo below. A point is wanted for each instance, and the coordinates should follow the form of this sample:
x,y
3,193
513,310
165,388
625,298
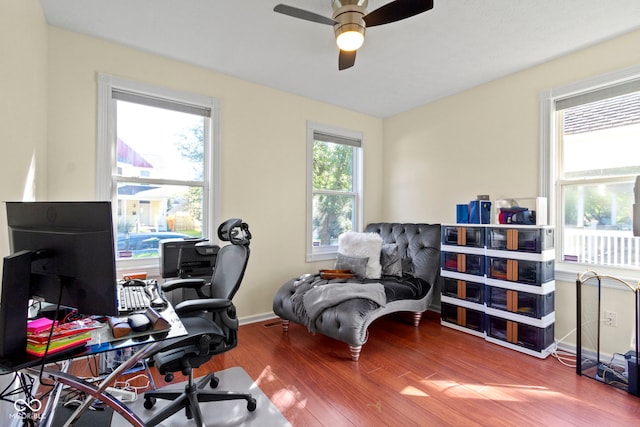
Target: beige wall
x,y
486,141
23,104
263,144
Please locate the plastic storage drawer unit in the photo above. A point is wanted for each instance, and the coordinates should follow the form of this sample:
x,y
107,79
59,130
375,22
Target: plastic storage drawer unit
x,y
535,240
473,237
524,303
463,263
520,334
521,271
462,316
463,289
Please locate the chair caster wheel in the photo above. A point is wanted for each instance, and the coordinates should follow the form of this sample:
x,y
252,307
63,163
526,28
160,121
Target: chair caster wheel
x,y
149,402
251,404
168,378
213,383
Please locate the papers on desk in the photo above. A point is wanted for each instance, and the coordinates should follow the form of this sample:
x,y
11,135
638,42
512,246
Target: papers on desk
x,y
63,337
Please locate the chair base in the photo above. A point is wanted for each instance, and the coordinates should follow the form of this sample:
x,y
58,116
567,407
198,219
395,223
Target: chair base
x,y
190,398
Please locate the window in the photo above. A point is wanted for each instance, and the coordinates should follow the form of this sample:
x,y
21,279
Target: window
x,y
156,150
593,160
334,183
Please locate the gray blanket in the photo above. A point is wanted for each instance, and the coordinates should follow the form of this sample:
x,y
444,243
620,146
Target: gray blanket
x,y
313,295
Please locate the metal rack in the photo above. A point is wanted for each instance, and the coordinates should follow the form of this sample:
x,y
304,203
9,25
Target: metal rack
x,y
617,369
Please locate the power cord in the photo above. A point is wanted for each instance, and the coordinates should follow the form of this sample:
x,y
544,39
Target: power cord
x,y
126,385
565,357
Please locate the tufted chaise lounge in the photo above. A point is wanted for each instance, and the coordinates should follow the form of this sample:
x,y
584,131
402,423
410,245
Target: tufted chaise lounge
x,y
348,321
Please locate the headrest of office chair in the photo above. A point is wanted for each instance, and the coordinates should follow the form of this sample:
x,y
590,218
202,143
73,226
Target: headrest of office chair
x,y
235,231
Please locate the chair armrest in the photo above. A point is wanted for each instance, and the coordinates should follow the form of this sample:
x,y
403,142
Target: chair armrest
x,y
224,309
183,283
209,304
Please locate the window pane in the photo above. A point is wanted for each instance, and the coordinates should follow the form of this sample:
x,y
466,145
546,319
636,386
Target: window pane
x,y
332,166
332,216
147,214
598,224
602,138
334,161
158,143
600,149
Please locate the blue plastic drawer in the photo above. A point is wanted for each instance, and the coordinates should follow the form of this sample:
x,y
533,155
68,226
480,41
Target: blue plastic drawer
x,y
463,236
521,271
534,240
463,263
462,316
463,289
523,303
527,336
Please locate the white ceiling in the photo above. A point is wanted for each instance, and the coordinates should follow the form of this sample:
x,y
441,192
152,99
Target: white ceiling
x,y
457,45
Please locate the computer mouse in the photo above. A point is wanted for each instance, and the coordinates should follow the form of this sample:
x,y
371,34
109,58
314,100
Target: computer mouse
x,y
139,322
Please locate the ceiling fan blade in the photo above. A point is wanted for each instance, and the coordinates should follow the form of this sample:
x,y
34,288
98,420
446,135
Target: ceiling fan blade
x,y
397,10
303,14
346,59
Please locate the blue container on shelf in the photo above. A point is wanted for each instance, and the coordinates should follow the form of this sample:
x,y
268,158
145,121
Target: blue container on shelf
x,y
479,212
462,214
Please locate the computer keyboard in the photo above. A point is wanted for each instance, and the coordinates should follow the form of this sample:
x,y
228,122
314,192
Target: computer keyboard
x,y
132,298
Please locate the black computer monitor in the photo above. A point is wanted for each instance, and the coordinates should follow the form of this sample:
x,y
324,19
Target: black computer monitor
x,y
60,252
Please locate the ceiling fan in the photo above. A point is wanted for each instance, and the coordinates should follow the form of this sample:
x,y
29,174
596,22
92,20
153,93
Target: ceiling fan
x,y
350,20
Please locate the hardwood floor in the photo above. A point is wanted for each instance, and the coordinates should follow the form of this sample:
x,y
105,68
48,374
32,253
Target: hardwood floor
x,y
406,376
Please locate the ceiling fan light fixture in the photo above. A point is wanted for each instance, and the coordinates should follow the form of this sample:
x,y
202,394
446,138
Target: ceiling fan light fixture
x,y
350,40
350,20
350,26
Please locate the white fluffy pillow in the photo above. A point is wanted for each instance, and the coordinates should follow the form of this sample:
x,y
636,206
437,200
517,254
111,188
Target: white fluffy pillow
x,y
363,245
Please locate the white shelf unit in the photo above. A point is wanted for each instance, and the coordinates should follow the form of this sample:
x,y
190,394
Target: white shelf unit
x,y
505,274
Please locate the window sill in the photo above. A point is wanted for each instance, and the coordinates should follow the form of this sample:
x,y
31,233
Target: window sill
x,y
566,272
322,256
148,265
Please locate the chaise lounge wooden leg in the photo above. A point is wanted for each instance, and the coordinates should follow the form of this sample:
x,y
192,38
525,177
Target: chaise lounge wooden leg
x,y
417,315
285,325
355,352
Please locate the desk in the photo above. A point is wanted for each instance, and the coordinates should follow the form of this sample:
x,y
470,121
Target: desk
x,y
101,341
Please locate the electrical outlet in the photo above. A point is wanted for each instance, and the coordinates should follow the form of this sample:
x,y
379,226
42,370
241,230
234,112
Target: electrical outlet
x,y
610,318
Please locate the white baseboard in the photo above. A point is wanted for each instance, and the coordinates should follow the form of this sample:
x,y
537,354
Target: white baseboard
x,y
257,318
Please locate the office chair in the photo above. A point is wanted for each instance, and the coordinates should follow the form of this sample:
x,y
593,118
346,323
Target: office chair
x,y
212,326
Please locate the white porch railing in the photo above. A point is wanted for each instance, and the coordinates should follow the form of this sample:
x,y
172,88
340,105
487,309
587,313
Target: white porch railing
x,y
603,247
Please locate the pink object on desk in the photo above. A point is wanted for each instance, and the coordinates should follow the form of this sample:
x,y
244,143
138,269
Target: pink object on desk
x,y
38,325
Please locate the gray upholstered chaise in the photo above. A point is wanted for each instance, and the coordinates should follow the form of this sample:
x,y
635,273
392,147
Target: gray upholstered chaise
x,y
419,246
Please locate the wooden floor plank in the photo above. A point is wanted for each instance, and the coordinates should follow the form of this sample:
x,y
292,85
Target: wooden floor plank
x,y
431,375
407,376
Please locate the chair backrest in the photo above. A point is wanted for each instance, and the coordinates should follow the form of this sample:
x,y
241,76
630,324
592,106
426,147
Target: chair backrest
x,y
232,259
231,264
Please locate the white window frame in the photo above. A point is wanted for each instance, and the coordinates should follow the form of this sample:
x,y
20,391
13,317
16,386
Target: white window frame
x,y
548,172
329,252
106,156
